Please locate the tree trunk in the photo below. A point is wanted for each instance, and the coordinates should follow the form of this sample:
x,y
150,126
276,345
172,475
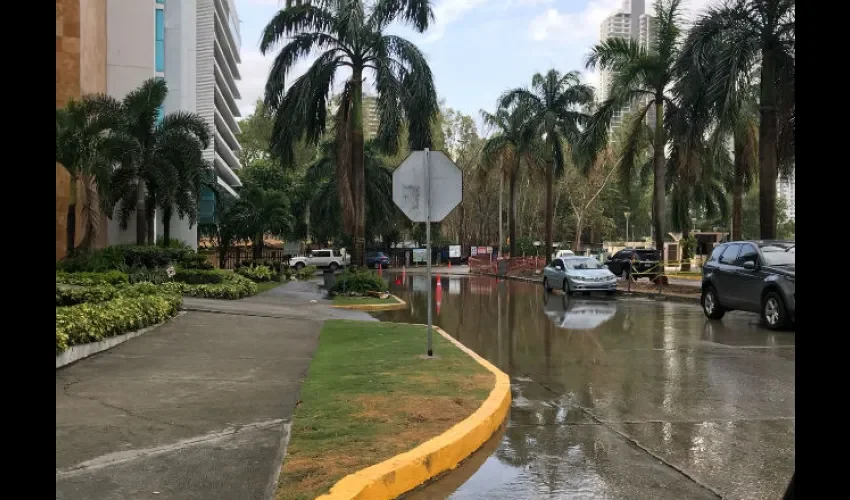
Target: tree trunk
x,y
71,219
141,218
578,233
512,216
501,235
738,192
166,228
550,174
150,221
658,175
686,252
258,246
767,146
357,165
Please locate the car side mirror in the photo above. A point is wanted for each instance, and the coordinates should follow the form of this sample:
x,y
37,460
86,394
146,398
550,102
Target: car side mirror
x,y
749,265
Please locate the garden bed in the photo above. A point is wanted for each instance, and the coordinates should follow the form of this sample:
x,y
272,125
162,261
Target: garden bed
x,y
369,395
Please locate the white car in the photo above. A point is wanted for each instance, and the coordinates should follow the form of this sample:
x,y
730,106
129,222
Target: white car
x,y
578,274
332,259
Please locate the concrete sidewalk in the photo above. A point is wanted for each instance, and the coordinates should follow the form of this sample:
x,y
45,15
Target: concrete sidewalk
x,y
197,409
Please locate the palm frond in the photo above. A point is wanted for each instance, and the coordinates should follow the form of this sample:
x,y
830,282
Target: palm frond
x,y
295,19
417,13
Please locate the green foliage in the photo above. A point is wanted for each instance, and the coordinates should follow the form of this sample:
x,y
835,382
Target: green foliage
x,y
92,322
89,278
156,275
123,257
68,296
256,273
233,287
305,272
358,282
199,276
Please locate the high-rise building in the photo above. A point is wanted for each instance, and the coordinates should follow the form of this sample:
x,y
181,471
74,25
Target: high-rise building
x,y
192,44
785,190
633,23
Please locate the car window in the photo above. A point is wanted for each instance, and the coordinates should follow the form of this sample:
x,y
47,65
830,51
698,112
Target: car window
x,y
337,253
715,254
647,254
730,254
748,253
557,264
582,263
778,256
321,253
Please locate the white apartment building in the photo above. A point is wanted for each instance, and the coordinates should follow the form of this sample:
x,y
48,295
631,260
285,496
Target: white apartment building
x,y
785,187
629,22
194,45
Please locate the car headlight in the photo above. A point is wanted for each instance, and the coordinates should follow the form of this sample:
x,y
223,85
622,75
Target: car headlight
x,y
577,278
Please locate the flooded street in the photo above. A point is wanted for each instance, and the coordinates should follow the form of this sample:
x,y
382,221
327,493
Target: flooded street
x,y
617,398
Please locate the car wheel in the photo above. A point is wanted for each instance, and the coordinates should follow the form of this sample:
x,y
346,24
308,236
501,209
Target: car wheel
x,y
334,266
546,285
299,265
773,312
566,287
710,306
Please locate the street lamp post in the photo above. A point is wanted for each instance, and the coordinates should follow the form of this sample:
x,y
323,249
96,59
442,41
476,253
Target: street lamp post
x,y
694,220
627,214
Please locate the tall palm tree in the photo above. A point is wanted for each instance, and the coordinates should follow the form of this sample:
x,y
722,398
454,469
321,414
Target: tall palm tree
x,y
641,76
178,186
149,165
741,35
507,147
260,211
349,35
554,105
87,149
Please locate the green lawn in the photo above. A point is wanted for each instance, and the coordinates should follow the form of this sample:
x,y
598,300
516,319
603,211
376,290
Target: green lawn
x,y
346,301
267,285
368,396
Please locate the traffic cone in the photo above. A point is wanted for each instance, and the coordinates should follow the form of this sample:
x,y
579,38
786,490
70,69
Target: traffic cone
x,y
450,263
380,268
439,281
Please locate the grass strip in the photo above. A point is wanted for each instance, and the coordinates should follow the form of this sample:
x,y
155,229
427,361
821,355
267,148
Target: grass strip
x,y
369,396
340,300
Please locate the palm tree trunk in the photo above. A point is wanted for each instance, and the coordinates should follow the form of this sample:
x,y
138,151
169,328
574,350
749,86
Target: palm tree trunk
x,y
357,165
767,146
166,227
738,192
71,219
141,216
501,236
512,217
550,207
686,253
258,246
658,175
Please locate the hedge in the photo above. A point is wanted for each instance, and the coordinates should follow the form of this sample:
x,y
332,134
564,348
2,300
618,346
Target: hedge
x,y
233,287
66,296
132,256
306,272
89,279
356,281
92,322
256,273
199,276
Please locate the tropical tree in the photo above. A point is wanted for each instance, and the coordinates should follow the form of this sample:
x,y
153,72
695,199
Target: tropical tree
x,y
506,149
555,106
87,148
154,149
349,35
259,212
738,36
176,187
641,76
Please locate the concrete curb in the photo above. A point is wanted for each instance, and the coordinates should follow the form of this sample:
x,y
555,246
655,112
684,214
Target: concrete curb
x,y
399,304
404,472
82,351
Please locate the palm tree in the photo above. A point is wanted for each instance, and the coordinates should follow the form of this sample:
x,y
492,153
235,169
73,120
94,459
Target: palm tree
x,y
350,36
85,147
155,148
641,76
183,174
260,211
738,36
554,105
507,147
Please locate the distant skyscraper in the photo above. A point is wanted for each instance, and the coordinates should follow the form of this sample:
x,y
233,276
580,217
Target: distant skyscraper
x,y
633,23
785,189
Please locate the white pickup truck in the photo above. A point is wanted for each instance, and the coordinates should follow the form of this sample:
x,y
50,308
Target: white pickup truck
x,y
333,259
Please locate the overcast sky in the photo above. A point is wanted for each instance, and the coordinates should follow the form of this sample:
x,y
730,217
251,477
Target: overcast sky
x,y
476,48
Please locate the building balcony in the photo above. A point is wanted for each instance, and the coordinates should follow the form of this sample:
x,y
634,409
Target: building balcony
x,y
223,65
222,149
224,171
226,113
221,38
223,128
221,85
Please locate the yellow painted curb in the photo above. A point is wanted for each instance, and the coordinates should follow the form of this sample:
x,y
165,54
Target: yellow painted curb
x,y
399,304
404,472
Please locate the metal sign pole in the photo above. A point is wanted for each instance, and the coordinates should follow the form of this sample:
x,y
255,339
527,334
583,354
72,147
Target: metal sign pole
x,y
428,242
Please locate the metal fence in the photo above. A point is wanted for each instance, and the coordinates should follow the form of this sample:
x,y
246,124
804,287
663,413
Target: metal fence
x,y
239,255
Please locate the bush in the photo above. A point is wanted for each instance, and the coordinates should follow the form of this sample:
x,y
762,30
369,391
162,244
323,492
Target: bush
x,y
274,265
305,272
66,296
233,287
157,276
358,281
92,322
256,273
195,261
89,279
122,257
199,276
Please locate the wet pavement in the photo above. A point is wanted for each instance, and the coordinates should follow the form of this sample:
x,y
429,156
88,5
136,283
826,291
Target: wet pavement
x,y
617,398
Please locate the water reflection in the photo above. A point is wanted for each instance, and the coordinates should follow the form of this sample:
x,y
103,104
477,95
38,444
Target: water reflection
x,y
688,389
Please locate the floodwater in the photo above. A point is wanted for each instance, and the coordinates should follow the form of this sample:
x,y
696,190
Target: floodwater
x,y
617,398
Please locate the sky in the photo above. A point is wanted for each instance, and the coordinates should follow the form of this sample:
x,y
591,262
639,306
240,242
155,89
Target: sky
x,y
477,49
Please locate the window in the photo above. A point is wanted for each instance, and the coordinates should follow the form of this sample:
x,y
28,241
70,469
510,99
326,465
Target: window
x,y
582,263
779,256
159,50
715,254
748,254
321,253
730,254
337,253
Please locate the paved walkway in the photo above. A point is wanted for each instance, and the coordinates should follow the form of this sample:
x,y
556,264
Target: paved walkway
x,y
196,409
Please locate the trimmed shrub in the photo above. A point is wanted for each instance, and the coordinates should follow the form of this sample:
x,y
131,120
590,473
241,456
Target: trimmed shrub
x,y
305,272
122,257
256,273
157,276
89,279
233,287
73,296
358,282
195,261
199,276
92,322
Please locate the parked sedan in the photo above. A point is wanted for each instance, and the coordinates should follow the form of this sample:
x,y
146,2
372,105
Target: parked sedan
x,y
754,276
375,258
635,263
578,274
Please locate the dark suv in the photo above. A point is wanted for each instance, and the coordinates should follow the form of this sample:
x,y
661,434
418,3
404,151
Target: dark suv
x,y
640,263
754,276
